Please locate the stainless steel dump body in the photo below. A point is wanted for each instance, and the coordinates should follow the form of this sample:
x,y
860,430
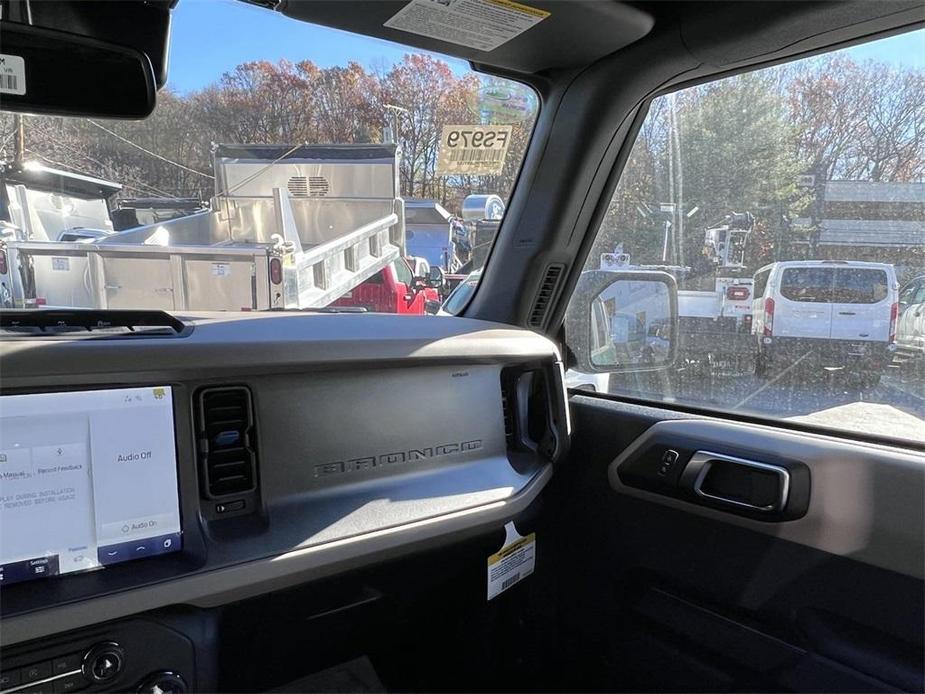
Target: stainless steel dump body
x,y
289,227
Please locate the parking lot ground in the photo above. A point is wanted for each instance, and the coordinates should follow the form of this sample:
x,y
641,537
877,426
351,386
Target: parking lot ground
x,y
895,408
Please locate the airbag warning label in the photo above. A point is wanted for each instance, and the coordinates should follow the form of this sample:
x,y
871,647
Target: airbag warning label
x,y
512,563
480,24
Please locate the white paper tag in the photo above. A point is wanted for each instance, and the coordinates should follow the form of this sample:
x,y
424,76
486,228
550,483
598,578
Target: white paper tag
x,y
480,24
473,150
12,74
61,264
221,269
512,563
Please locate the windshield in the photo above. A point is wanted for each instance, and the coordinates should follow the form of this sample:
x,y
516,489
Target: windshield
x,y
282,172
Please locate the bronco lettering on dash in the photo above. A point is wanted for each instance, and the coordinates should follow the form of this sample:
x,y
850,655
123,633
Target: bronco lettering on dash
x,y
404,456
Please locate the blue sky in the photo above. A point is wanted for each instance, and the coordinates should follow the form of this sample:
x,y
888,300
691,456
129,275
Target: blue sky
x,y
211,37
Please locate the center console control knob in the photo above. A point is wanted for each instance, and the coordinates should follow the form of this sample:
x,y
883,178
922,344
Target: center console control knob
x,y
104,662
162,683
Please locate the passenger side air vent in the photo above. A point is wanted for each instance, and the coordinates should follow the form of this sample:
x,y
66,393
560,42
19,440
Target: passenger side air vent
x,y
318,186
227,442
508,416
545,295
298,187
534,410
82,323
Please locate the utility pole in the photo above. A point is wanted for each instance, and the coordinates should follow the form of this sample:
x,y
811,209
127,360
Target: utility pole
x,y
392,134
394,111
19,139
677,178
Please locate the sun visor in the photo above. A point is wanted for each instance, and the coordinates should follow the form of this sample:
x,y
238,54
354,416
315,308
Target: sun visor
x,y
526,37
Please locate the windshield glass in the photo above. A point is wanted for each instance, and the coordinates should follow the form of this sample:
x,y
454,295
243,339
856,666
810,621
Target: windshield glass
x,y
286,171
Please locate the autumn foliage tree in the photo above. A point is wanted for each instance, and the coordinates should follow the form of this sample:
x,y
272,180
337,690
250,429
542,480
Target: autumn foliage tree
x,y
743,142
735,143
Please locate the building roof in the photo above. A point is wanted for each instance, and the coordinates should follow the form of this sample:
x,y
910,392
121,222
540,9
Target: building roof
x,y
854,232
871,191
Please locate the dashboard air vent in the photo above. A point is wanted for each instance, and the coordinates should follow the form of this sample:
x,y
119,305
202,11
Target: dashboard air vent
x,y
534,409
508,416
545,295
227,451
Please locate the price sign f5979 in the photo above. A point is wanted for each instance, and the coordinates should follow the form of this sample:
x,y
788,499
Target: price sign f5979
x,y
473,150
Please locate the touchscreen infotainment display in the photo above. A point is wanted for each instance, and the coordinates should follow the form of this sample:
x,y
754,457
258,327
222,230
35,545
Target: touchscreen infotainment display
x,y
87,479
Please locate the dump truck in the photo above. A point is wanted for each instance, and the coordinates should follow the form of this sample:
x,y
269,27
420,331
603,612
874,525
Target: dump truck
x,y
289,227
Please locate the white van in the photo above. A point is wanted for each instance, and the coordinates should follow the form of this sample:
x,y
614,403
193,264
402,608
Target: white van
x,y
830,313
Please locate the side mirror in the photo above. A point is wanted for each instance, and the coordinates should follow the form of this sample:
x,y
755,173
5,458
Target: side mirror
x,y
623,321
58,73
436,277
432,307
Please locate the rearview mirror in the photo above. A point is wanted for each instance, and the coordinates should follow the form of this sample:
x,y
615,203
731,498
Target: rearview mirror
x,y
58,73
623,321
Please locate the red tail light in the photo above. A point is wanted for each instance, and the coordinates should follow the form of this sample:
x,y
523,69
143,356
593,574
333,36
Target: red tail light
x,y
276,271
894,319
737,293
768,317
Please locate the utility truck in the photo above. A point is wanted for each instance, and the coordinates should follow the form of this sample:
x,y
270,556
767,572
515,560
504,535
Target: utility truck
x,y
714,323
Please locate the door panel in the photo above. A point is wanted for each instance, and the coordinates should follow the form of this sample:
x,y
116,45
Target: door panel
x,y
666,594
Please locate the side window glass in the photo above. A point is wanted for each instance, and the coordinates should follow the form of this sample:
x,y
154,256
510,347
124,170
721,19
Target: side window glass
x,y
402,272
761,282
788,204
807,284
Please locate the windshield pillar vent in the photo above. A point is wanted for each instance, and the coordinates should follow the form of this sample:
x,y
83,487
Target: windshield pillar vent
x,y
548,290
226,442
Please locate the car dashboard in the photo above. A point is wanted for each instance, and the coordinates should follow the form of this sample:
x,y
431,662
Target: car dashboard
x,y
306,444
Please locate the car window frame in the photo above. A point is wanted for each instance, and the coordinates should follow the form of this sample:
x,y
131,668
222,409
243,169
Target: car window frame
x,y
518,179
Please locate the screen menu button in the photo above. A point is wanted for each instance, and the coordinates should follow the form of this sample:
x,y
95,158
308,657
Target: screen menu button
x,y
27,569
137,549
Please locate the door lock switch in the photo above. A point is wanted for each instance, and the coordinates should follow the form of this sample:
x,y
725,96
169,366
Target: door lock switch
x,y
669,460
